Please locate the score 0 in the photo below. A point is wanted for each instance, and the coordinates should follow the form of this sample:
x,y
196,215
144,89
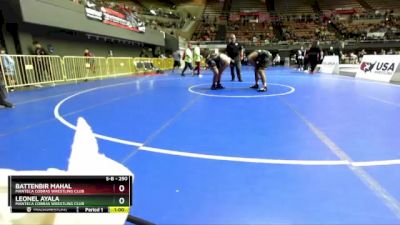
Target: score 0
x,y
121,189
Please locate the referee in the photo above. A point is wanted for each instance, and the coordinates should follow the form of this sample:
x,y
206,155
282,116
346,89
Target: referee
x,y
235,52
314,55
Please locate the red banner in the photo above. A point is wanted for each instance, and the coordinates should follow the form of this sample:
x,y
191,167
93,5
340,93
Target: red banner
x,y
249,13
263,17
345,11
126,19
114,13
234,17
120,25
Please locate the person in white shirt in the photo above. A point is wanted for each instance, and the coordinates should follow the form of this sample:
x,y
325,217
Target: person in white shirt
x,y
353,58
300,58
277,60
177,59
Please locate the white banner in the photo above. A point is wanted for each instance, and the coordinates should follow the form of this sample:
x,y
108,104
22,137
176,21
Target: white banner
x,y
331,60
329,64
94,14
379,67
376,34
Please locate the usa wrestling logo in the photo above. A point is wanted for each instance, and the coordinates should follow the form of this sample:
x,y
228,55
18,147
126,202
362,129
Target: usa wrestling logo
x,y
367,67
378,67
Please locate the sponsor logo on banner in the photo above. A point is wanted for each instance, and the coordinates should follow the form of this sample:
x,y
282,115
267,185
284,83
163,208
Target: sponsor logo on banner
x,y
109,16
379,67
331,60
112,12
384,68
94,14
117,19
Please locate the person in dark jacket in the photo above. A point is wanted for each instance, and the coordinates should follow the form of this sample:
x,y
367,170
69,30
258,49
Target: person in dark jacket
x,y
41,64
314,55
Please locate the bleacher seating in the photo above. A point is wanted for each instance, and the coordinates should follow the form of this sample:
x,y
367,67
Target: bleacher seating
x,y
249,5
293,7
207,28
213,8
299,30
362,28
384,4
299,22
330,5
247,32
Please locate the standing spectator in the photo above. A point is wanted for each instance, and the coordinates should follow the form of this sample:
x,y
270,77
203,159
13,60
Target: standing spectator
x,y
3,92
235,52
300,58
8,68
3,95
321,56
157,53
353,58
361,55
188,58
341,56
89,60
197,58
331,51
87,53
151,53
143,53
40,64
39,50
277,60
177,59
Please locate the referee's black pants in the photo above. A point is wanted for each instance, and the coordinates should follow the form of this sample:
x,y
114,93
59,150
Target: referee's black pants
x,y
313,62
238,66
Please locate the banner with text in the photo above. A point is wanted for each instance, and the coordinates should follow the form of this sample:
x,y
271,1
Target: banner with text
x,y
329,64
126,19
379,67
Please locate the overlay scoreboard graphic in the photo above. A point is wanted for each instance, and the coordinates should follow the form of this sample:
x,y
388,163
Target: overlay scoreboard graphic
x,y
69,194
